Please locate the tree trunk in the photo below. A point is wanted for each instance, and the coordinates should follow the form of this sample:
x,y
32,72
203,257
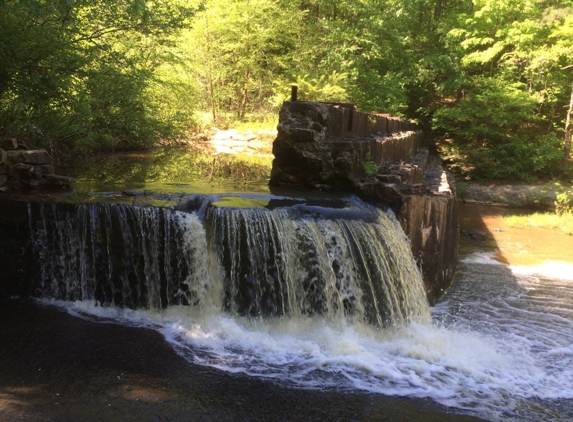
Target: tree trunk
x,y
210,71
212,96
245,100
567,144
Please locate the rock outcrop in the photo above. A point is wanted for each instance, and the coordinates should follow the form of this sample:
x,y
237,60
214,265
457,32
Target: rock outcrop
x,y
25,168
378,157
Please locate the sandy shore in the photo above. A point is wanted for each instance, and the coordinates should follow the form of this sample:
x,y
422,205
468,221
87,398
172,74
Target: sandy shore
x,y
55,367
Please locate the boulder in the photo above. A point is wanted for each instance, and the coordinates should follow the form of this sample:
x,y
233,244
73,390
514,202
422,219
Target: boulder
x,y
23,169
37,157
42,170
14,157
60,182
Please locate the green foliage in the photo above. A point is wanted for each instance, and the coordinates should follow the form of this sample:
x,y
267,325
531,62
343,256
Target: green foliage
x,y
562,222
492,78
236,50
327,88
564,203
370,167
83,74
506,112
494,132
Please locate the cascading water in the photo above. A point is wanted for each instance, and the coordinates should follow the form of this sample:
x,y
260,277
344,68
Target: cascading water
x,y
277,263
254,262
117,255
315,298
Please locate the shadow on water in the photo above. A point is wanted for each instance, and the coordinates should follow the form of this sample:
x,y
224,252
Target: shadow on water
x,y
513,285
55,367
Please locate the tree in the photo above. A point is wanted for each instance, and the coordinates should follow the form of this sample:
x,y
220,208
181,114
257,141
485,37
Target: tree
x,y
237,49
80,73
567,139
519,44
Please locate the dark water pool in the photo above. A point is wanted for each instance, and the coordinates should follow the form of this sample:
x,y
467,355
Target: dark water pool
x,y
55,367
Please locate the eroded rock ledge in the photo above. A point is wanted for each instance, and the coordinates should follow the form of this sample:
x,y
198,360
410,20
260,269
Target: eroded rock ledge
x,y
378,157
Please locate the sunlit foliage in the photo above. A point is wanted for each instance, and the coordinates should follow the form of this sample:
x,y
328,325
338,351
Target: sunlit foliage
x,y
491,78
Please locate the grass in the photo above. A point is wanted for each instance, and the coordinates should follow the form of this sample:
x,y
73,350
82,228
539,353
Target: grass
x,y
562,222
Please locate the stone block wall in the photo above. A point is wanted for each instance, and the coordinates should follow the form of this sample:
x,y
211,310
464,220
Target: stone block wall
x,y
24,168
326,146
345,121
320,144
430,221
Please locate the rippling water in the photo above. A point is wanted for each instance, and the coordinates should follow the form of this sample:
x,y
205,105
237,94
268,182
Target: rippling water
x,y
526,317
500,346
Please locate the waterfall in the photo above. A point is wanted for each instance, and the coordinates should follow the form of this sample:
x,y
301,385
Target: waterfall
x,y
297,292
258,262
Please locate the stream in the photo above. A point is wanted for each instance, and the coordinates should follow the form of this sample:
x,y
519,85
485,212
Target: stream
x,y
498,347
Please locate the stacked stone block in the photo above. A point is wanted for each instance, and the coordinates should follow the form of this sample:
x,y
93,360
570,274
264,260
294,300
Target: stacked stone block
x,y
23,168
326,146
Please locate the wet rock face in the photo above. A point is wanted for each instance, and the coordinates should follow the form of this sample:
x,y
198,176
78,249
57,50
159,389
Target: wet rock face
x,y
430,220
24,168
378,157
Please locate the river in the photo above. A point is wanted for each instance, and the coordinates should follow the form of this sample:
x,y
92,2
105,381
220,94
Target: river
x,y
499,347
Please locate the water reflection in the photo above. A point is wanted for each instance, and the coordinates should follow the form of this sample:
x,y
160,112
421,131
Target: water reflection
x,y
514,246
167,169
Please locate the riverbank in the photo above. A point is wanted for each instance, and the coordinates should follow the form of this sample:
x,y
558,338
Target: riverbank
x,y
56,367
534,195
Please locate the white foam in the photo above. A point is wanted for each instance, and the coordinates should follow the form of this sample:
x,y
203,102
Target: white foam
x,y
460,366
550,269
485,258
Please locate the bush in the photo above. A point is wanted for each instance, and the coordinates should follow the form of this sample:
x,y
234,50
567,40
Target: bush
x,y
370,168
564,203
494,133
